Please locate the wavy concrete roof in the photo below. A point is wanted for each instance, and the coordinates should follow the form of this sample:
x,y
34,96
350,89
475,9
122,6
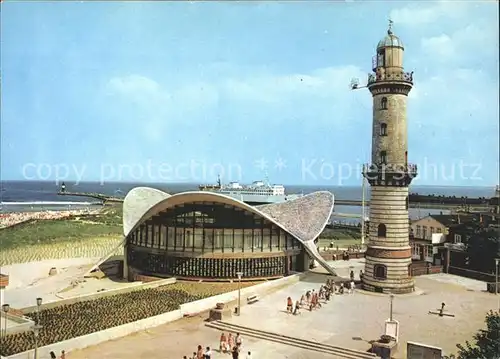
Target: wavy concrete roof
x,y
304,217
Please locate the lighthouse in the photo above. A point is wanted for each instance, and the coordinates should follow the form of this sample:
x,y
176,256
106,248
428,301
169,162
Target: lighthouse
x,y
388,254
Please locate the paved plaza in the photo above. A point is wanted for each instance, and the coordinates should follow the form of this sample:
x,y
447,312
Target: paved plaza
x,y
347,320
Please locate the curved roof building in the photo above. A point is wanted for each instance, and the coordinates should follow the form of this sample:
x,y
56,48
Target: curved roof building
x,y
205,235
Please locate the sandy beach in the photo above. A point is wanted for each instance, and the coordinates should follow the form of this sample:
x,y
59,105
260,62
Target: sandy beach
x,y
11,219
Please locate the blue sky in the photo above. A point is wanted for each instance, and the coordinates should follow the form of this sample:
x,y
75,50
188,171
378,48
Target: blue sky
x,y
178,92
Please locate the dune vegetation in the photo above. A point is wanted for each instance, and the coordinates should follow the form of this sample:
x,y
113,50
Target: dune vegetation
x,y
82,236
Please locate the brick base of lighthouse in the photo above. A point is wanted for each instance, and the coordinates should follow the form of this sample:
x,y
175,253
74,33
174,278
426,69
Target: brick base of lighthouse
x,y
388,254
396,262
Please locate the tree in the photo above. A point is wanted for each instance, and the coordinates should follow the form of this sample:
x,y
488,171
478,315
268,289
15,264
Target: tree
x,y
487,344
482,248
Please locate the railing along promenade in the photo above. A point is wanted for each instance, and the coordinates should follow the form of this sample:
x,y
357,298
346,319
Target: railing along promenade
x,y
426,205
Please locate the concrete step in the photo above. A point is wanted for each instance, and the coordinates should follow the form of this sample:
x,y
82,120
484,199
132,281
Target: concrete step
x,y
339,352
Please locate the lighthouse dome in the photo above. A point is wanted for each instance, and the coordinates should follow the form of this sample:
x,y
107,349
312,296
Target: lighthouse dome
x,y
390,40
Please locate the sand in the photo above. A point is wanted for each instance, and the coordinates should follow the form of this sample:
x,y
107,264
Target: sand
x,y
28,281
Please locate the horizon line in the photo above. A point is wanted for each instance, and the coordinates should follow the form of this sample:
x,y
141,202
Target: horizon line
x,y
197,184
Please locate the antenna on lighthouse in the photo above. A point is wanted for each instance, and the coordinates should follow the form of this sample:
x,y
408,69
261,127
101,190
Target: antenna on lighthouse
x,y
355,84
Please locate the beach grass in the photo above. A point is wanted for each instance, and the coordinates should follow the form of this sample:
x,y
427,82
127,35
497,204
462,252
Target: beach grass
x,y
53,231
79,236
96,247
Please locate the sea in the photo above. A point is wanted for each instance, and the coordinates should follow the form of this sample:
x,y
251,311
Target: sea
x,y
23,196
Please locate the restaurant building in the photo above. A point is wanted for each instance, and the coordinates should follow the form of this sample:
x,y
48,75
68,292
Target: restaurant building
x,y
209,236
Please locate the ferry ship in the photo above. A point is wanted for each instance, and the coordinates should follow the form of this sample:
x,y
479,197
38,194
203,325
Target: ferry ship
x,y
259,192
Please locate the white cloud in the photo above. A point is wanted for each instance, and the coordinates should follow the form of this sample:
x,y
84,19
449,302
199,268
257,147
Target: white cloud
x,y
133,84
150,107
455,82
442,47
327,82
418,14
322,93
462,45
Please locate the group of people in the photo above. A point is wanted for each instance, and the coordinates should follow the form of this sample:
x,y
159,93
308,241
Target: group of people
x,y
201,354
54,356
232,345
311,299
345,256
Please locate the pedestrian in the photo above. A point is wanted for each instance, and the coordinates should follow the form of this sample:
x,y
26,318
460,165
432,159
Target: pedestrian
x,y
239,340
223,343
236,352
353,285
53,355
230,341
297,307
249,355
289,304
63,354
316,301
199,353
352,275
208,353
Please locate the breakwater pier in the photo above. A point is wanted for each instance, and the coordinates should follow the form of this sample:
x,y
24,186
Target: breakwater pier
x,y
99,196
415,201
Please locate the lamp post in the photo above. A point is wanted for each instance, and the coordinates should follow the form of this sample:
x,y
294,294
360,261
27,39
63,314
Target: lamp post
x,y
36,330
496,282
392,299
363,212
38,304
239,274
5,309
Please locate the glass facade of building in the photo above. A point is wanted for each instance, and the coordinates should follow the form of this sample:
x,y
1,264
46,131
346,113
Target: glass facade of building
x,y
212,240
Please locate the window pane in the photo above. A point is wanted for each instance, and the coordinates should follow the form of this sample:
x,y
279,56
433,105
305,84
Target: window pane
x,y
257,240
248,238
179,238
209,239
198,238
266,238
218,233
274,238
238,239
170,237
163,237
228,238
